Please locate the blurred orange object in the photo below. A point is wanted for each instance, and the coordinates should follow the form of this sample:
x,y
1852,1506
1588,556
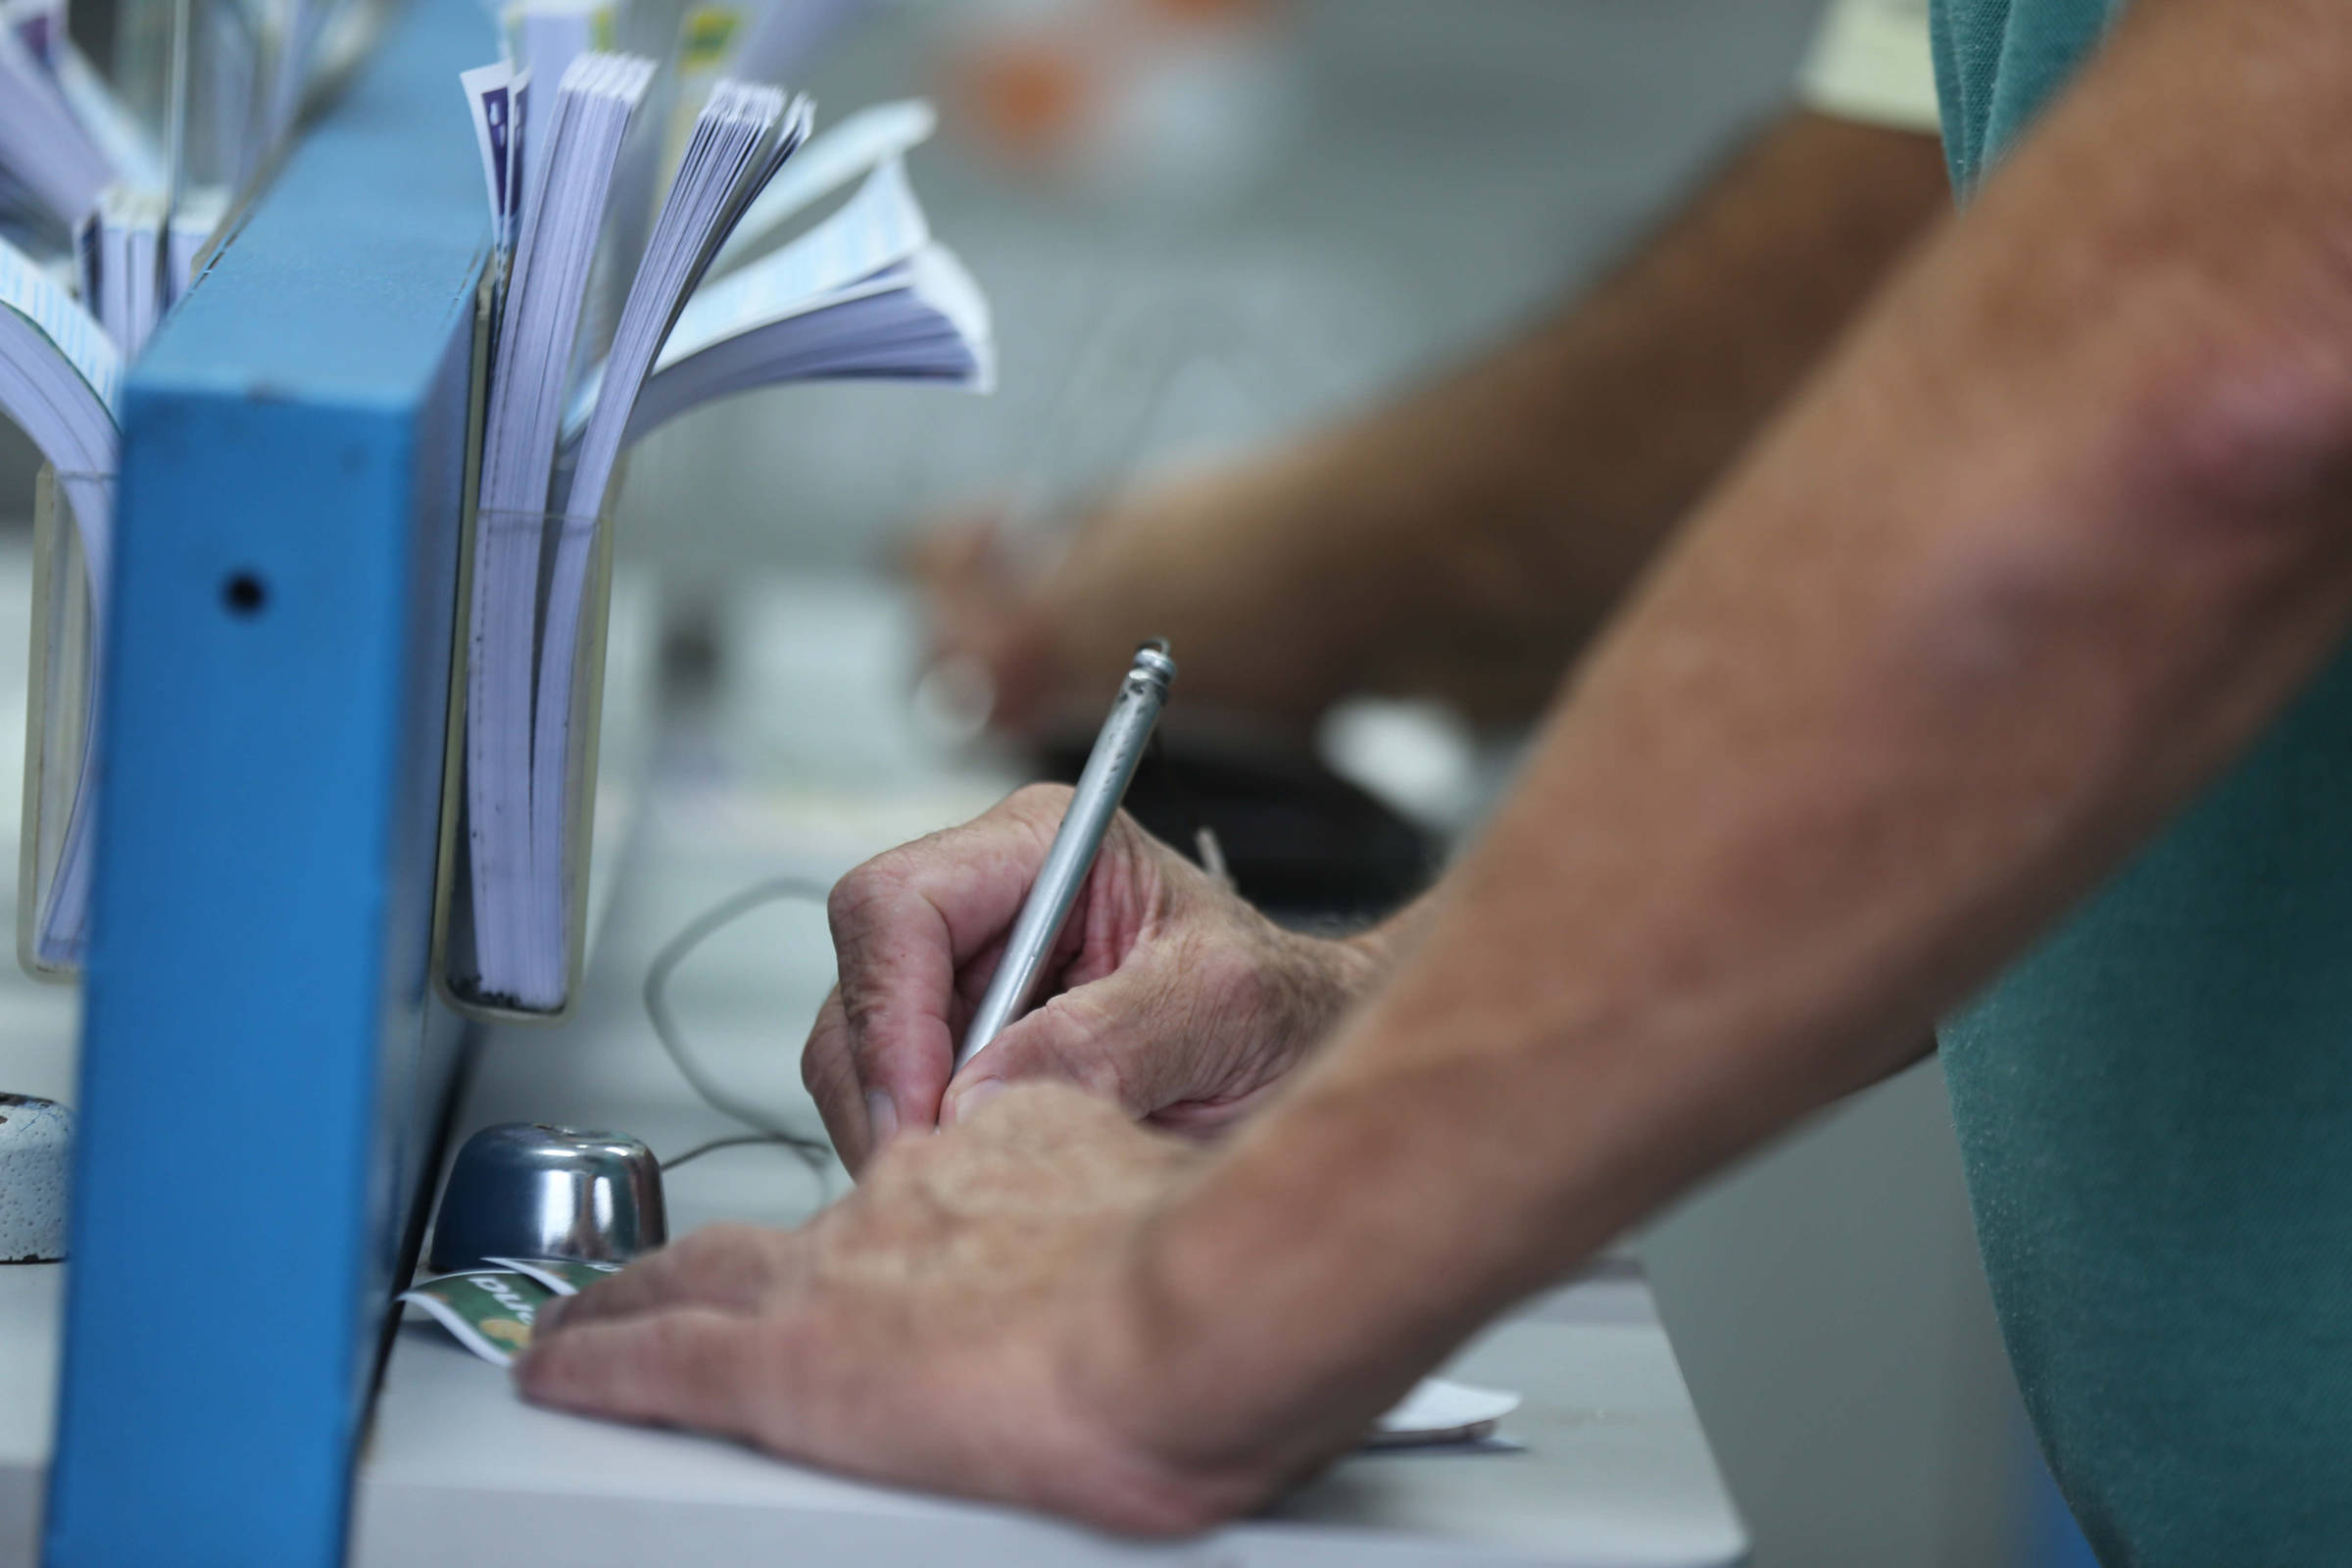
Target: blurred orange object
x,y
1025,97
1100,88
1214,11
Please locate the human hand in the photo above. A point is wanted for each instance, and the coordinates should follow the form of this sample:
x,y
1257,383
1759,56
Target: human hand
x,y
1168,994
1234,567
970,1319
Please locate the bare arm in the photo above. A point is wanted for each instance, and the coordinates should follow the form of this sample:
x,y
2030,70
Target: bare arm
x,y
2040,551
1465,541
2035,558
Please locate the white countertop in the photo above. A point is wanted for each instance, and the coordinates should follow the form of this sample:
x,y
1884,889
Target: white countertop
x,y
1608,1469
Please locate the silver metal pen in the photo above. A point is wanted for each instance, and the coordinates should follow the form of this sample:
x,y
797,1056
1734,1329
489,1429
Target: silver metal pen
x,y
1110,768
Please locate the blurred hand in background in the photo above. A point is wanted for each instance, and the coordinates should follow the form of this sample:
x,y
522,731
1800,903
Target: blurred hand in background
x,y
1466,541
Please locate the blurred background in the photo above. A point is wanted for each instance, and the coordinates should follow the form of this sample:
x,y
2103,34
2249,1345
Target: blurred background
x,y
1196,245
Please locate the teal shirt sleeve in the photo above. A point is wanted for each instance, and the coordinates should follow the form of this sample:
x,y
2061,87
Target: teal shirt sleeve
x,y
1998,62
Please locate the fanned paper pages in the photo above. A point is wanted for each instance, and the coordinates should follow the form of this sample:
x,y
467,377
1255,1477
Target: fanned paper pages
x,y
865,293
739,141
858,146
59,379
562,213
46,152
868,294
924,319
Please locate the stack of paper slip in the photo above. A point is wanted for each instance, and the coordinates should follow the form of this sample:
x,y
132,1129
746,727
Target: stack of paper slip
x,y
119,251
545,37
868,295
59,373
740,140
865,293
59,378
134,258
563,211
45,149
859,145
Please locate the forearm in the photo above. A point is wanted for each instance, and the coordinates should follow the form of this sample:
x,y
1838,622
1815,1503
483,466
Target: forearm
x,y
1524,496
1466,541
2034,559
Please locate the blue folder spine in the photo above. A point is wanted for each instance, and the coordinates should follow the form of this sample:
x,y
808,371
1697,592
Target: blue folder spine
x,y
261,1054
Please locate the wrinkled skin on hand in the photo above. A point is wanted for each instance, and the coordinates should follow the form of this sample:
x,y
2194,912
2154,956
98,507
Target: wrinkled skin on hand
x,y
968,1321
1168,994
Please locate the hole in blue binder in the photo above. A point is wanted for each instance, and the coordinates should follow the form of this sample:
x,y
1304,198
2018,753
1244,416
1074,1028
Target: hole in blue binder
x,y
244,594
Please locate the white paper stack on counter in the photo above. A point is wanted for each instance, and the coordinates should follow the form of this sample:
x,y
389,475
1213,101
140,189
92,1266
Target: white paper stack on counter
x,y
59,379
563,211
119,255
739,141
135,256
866,293
545,37
861,144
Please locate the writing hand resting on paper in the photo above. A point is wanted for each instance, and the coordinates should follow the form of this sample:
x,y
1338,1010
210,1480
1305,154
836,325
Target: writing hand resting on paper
x,y
972,1319
1168,994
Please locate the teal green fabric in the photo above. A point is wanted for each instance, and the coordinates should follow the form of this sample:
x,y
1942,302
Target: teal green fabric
x,y
1997,61
2155,1108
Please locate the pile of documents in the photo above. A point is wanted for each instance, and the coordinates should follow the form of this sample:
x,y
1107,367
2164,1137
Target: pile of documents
x,y
64,138
866,293
134,256
51,166
73,166
59,379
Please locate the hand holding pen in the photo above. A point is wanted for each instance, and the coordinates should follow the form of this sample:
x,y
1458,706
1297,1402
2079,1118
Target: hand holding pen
x,y
1139,976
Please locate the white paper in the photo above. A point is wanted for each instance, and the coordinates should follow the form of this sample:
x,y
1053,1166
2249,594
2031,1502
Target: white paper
x,y
859,145
43,146
866,293
740,140
923,320
59,380
1438,1411
547,35
563,211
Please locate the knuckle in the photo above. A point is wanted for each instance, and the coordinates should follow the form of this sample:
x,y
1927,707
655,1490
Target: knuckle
x,y
849,904
828,1069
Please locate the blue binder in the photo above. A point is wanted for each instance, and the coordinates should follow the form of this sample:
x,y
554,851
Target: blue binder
x,y
263,1060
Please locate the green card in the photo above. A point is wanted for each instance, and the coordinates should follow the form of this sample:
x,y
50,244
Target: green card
x,y
488,1312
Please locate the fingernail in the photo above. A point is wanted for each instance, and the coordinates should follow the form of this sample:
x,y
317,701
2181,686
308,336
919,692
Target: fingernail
x,y
969,1101
881,1117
